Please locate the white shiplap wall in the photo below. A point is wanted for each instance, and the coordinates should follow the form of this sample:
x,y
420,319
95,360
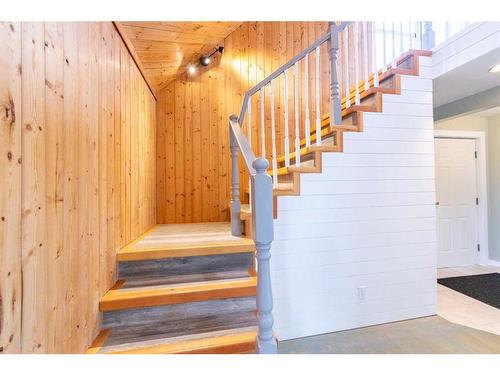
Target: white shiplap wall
x,y
471,43
367,221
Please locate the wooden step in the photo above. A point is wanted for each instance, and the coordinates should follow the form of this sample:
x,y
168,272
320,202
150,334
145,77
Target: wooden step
x,y
123,297
245,212
168,324
185,240
227,344
224,342
185,266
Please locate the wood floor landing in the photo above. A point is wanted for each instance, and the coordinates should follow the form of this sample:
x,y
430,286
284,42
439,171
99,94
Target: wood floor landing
x,y
181,240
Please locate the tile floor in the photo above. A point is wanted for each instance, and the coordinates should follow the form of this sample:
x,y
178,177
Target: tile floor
x,y
461,309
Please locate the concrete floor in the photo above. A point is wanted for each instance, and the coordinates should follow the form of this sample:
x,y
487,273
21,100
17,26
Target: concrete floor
x,y
429,335
464,310
463,326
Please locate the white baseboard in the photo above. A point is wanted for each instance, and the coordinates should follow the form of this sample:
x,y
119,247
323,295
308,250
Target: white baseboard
x,y
490,262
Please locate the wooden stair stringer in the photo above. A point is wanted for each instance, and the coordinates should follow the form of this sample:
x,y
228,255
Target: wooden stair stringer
x,y
371,101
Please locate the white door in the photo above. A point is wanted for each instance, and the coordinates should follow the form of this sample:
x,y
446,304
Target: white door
x,y
456,192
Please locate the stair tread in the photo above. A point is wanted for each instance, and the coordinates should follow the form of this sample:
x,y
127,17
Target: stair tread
x,y
119,297
232,340
180,240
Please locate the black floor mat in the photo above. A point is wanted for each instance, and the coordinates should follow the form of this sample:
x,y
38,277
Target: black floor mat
x,y
485,288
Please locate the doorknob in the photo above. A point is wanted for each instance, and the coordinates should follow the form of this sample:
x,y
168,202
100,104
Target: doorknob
x,y
437,203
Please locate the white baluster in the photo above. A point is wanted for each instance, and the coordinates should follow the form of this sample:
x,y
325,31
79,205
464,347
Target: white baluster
x,y
273,139
374,54
401,45
318,106
410,33
249,128
249,110
418,35
296,105
365,55
287,132
262,124
393,45
308,120
384,49
356,62
346,69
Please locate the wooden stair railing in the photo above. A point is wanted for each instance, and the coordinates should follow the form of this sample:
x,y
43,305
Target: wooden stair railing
x,y
261,184
262,219
346,114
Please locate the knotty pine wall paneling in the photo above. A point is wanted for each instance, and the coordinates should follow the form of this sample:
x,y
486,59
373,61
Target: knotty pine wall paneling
x,y
193,166
78,172
10,188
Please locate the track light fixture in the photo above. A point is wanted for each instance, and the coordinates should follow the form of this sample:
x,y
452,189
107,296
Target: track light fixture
x,y
205,59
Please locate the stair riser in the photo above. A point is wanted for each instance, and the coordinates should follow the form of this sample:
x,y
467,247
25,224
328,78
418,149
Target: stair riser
x,y
190,314
185,265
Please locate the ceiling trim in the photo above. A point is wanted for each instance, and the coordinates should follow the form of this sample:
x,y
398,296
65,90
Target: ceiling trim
x,y
477,102
133,54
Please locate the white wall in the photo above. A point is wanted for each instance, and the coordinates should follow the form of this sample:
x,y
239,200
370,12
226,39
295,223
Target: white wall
x,y
494,186
476,40
367,221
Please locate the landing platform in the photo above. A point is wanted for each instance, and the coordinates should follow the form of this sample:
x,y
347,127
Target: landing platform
x,y
183,240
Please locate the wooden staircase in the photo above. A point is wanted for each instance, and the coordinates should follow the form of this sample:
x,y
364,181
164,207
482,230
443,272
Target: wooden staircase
x,y
332,137
182,288
190,288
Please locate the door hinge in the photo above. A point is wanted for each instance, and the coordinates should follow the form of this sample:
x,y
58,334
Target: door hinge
x,y
477,201
478,247
475,154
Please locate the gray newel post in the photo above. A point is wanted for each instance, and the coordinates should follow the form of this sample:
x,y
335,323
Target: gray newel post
x,y
262,221
335,107
235,184
428,37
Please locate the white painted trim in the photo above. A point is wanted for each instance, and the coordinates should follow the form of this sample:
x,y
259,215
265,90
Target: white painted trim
x,y
445,43
493,263
482,189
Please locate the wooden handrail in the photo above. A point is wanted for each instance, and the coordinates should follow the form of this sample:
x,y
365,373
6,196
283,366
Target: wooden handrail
x,y
239,139
261,192
279,72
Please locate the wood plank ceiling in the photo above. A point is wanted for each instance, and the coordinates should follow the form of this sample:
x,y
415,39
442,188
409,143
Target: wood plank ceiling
x,y
164,49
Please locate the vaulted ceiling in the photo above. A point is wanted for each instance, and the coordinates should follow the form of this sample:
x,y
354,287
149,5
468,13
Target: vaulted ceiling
x,y
164,49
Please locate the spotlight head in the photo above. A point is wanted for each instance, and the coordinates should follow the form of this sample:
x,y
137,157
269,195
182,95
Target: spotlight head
x,y
204,60
220,49
191,69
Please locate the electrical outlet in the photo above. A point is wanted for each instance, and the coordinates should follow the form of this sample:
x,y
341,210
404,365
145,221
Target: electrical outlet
x,y
361,293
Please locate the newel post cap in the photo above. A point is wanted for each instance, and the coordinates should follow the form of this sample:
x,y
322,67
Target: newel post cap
x,y
260,165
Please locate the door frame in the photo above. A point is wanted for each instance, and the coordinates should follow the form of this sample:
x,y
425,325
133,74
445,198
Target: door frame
x,y
481,180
